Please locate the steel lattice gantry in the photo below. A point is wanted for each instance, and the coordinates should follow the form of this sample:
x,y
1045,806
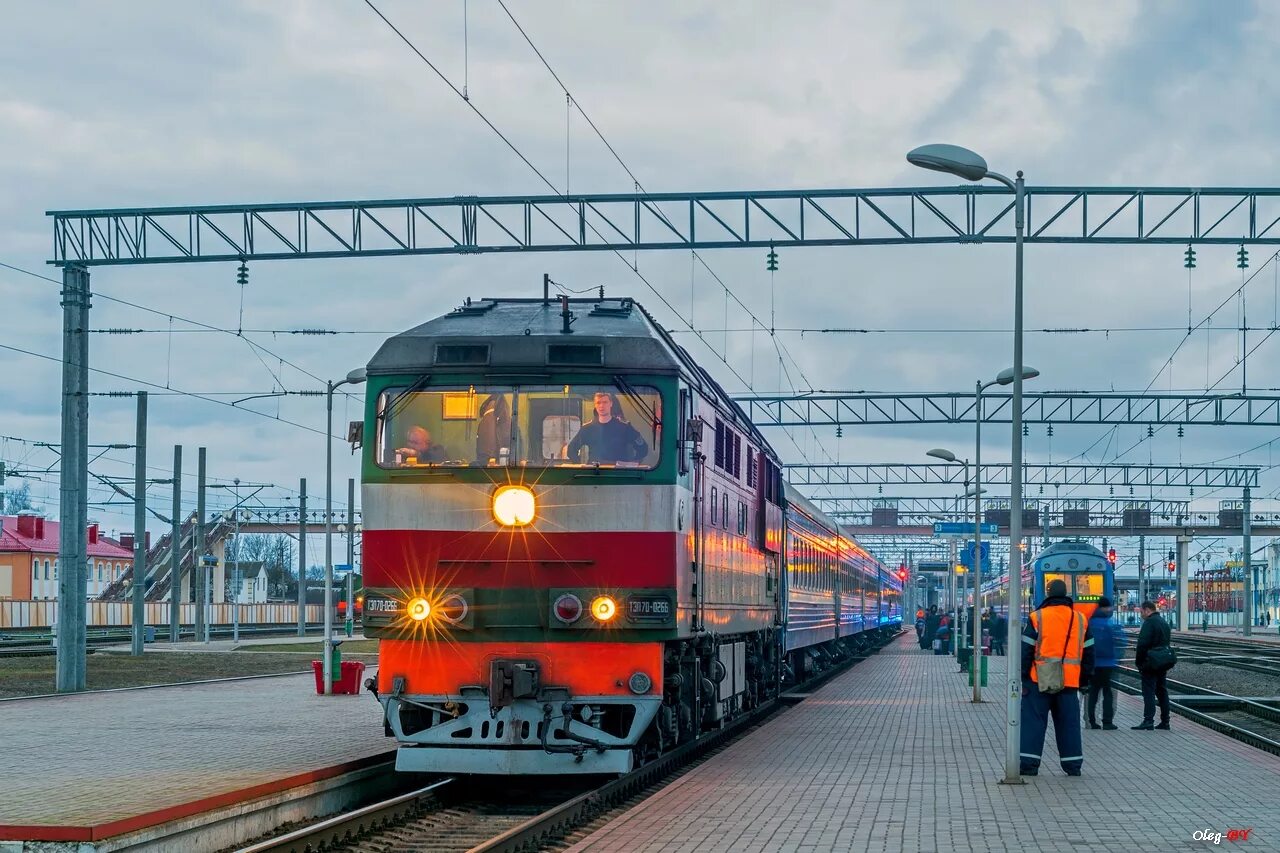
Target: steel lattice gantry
x,y
1138,476
632,221
1046,407
926,510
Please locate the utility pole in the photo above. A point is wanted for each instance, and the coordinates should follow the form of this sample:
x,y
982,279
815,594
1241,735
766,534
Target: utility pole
x,y
351,556
140,527
1142,565
1247,566
235,592
302,557
197,544
73,482
175,550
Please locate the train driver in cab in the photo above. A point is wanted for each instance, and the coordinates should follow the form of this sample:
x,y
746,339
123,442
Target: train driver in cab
x,y
420,448
609,439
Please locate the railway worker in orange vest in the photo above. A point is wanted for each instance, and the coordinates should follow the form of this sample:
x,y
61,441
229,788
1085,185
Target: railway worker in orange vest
x,y
1057,662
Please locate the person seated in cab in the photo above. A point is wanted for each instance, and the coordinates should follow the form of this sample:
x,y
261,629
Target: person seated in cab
x,y
420,448
609,439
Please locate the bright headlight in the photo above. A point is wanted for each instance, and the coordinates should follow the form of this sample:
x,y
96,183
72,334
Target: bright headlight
x,y
604,608
418,609
514,506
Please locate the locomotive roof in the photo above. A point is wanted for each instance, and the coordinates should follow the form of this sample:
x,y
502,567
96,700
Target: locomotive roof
x,y
524,337
1070,546
519,330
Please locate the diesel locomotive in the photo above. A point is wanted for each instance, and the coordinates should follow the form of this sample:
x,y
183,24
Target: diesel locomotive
x,y
578,551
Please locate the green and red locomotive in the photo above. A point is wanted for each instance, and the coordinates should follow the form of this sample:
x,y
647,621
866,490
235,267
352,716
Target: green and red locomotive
x,y
578,552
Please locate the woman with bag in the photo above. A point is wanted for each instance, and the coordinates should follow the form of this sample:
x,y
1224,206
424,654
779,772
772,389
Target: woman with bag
x,y
1154,658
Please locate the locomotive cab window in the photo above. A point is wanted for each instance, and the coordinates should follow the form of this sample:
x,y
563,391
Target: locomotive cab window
x,y
573,426
1050,577
1089,586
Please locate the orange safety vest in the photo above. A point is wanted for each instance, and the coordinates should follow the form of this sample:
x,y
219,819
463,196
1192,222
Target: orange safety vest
x,y
1053,643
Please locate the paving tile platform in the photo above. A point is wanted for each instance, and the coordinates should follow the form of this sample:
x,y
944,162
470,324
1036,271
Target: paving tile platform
x,y
893,756
91,765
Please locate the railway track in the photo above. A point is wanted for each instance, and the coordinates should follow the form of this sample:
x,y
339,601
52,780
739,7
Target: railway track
x,y
453,814
41,645
1251,720
1244,655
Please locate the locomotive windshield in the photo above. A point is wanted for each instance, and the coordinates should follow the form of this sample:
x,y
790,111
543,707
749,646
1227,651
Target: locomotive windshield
x,y
590,425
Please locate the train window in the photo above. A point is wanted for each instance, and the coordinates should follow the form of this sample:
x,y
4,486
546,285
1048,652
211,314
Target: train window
x,y
575,426
1050,577
724,510
1089,586
714,505
742,519
751,467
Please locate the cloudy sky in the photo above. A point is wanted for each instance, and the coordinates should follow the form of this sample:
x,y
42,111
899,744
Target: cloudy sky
x,y
156,103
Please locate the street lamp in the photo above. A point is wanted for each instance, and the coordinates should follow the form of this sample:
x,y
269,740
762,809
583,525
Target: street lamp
x,y
968,165
1004,377
957,581
239,584
355,377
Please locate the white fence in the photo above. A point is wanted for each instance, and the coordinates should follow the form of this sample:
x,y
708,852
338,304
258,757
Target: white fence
x,y
16,613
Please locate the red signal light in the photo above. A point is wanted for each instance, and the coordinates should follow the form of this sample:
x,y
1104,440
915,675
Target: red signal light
x,y
902,573
1111,556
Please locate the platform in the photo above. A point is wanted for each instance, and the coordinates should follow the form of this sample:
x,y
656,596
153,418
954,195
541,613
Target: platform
x,y
893,756
84,767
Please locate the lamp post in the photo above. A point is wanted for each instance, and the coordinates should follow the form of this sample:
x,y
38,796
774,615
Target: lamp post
x,y
355,377
965,164
953,571
1004,377
208,564
235,594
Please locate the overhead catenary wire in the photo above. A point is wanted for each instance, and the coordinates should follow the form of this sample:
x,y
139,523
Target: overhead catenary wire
x,y
171,316
550,185
576,104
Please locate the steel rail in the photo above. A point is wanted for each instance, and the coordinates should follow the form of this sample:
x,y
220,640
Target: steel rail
x,y
344,827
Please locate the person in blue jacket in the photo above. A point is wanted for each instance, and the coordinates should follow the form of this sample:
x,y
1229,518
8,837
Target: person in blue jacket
x,y
1108,647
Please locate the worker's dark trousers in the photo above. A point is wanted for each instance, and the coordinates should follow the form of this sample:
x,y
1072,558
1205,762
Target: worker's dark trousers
x,y
1036,709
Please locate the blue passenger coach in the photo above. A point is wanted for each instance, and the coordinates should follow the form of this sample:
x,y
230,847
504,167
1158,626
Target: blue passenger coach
x,y
834,589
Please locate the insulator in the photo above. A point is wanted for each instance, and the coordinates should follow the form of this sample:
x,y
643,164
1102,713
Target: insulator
x,y
1050,430
1181,431
1026,430
242,274
1150,432
839,431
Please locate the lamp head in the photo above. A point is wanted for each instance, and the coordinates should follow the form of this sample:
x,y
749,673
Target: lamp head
x,y
951,159
357,376
941,453
1005,377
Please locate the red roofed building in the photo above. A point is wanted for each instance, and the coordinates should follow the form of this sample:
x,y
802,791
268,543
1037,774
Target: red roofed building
x,y
29,558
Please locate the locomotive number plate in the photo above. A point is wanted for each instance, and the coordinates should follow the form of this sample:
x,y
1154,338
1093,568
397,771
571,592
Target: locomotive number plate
x,y
649,608
381,605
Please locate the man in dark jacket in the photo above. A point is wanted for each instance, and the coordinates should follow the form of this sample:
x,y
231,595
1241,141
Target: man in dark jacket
x,y
1154,634
999,633
1055,635
930,628
1108,645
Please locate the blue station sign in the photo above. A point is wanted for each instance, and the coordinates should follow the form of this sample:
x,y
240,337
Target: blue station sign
x,y
962,528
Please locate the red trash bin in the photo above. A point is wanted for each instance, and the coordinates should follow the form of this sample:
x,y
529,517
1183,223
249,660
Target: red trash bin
x,y
352,670
347,680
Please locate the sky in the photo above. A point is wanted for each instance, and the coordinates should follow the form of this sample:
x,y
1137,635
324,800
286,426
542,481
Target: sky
x,y
161,103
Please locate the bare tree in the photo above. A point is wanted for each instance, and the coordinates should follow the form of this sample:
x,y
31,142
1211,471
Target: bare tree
x,y
17,500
